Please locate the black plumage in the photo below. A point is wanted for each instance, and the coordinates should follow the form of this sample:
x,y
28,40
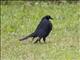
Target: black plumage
x,y
42,30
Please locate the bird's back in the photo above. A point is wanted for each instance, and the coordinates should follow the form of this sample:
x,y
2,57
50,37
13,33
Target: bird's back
x,y
44,28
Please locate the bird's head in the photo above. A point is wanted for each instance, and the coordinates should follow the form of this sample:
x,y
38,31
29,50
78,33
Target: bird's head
x,y
47,17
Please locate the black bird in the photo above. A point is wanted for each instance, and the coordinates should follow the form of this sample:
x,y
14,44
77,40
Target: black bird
x,y
42,30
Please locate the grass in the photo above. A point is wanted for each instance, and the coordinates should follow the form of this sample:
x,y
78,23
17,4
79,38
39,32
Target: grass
x,y
18,20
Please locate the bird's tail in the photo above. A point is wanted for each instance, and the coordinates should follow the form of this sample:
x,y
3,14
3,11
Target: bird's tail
x,y
31,35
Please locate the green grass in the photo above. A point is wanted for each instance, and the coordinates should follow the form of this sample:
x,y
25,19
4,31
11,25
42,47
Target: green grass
x,y
18,20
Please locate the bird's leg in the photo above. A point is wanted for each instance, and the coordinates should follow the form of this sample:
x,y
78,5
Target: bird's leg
x,y
37,40
44,39
32,38
40,40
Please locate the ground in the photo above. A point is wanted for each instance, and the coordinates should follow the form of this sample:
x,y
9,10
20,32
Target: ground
x,y
18,20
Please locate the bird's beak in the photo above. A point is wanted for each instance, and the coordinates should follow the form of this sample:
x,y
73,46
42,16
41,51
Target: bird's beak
x,y
51,18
